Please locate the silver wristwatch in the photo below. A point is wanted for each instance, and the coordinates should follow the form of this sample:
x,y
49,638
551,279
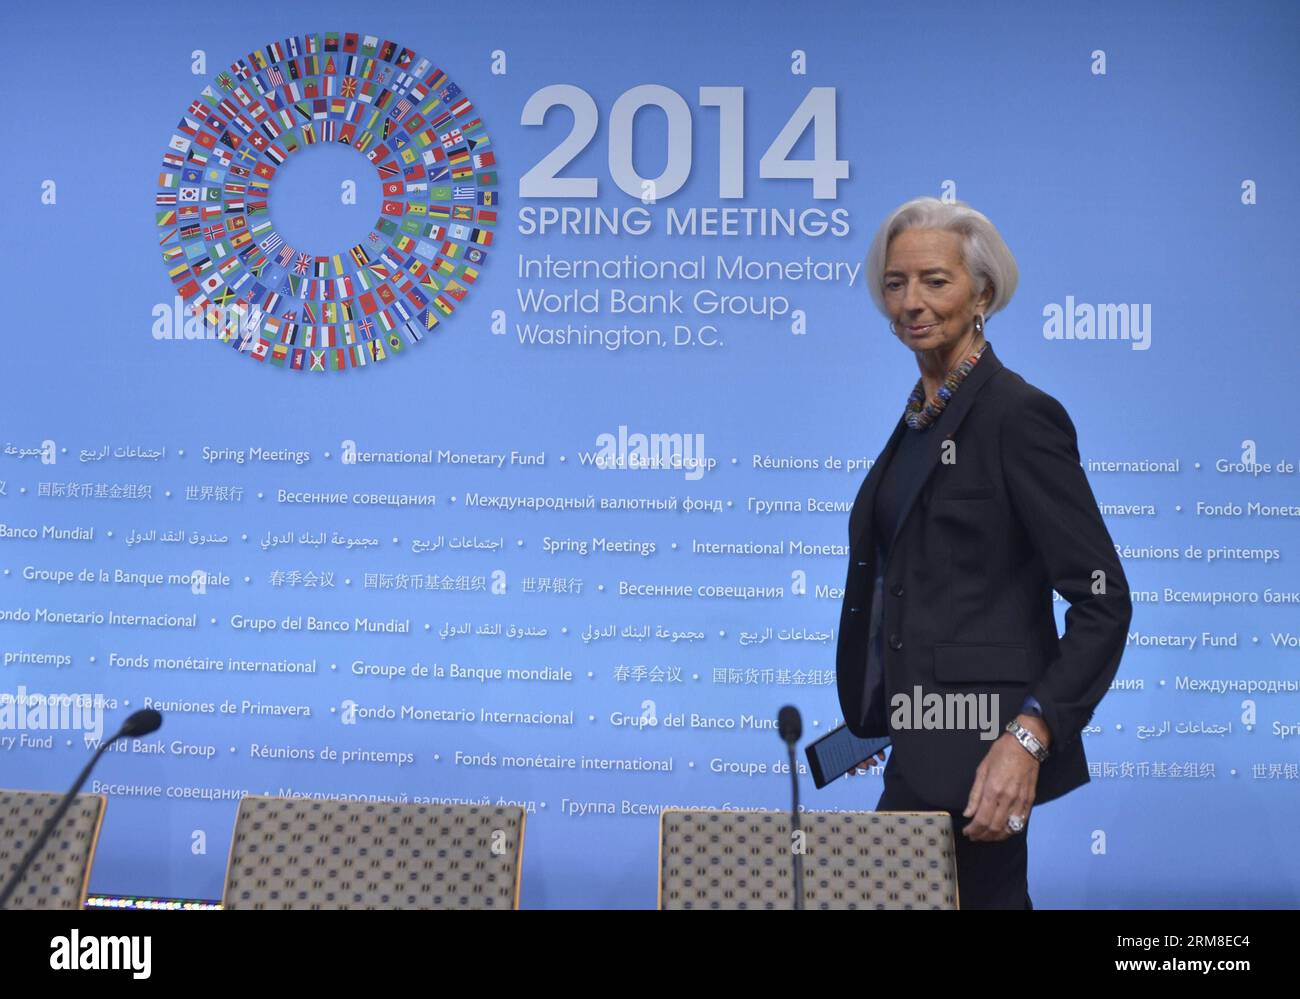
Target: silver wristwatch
x,y
1027,739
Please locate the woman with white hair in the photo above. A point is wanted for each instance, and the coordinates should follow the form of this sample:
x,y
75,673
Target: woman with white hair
x,y
975,511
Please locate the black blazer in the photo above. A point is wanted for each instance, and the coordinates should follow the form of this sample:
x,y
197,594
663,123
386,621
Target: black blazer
x,y
995,521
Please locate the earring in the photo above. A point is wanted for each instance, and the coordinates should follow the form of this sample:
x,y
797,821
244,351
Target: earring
x,y
892,328
979,324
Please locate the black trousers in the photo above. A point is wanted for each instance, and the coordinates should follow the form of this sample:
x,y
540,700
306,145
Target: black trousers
x,y
989,875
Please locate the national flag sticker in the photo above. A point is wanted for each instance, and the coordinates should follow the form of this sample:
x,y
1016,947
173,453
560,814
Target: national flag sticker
x,y
329,308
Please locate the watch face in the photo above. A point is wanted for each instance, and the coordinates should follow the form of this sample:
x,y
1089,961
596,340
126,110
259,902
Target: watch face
x,y
1028,740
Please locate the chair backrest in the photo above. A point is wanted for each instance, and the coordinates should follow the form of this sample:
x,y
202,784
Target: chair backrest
x,y
58,877
299,853
851,860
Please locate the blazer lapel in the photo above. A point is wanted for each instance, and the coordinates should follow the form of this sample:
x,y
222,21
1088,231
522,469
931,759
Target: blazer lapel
x,y
867,512
946,426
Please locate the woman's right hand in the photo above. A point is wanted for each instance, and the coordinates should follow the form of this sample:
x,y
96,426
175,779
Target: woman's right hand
x,y
867,763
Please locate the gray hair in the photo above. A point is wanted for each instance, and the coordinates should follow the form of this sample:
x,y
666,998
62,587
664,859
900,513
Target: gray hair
x,y
983,251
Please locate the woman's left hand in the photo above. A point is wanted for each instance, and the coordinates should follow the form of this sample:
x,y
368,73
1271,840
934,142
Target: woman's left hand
x,y
1004,785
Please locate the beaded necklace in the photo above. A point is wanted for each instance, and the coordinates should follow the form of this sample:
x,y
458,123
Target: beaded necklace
x,y
919,418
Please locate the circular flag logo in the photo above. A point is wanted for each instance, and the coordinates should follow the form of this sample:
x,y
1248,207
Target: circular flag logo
x,y
360,304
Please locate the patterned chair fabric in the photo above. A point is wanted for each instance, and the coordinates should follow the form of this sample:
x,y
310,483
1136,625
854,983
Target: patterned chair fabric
x,y
58,877
295,853
851,860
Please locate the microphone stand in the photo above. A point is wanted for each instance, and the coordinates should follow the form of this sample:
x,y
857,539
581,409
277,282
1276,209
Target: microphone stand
x,y
796,855
12,884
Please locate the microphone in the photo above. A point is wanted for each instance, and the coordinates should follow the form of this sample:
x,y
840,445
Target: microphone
x,y
789,725
142,722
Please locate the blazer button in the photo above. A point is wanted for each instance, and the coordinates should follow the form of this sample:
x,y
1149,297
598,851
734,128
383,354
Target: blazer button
x,y
897,589
895,642
853,610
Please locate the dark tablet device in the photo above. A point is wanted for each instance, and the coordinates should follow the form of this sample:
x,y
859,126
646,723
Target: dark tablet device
x,y
837,752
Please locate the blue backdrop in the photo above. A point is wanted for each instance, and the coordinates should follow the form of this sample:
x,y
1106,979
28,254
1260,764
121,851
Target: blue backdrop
x,y
1137,157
